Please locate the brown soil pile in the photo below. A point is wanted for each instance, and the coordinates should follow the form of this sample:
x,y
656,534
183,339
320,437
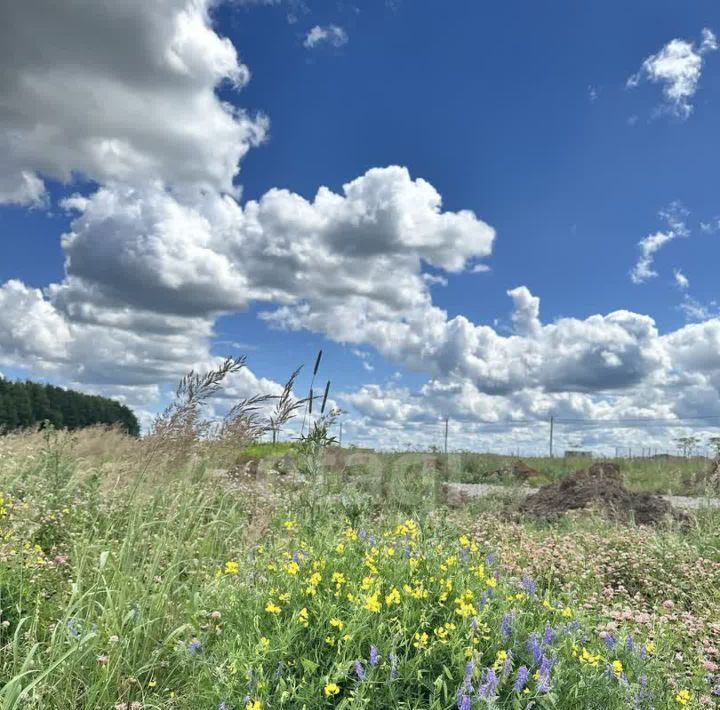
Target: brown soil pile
x,y
599,487
521,470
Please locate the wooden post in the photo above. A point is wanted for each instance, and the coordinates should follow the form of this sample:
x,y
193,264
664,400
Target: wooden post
x,y
552,427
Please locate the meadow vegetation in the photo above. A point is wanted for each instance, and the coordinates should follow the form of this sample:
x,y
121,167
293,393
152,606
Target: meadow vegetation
x,y
136,578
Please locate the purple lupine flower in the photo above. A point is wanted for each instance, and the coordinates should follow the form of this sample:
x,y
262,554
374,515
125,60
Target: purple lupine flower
x,y
490,559
610,640
643,696
630,643
279,671
194,645
469,667
507,664
474,623
393,666
505,627
521,678
528,584
464,701
296,557
222,705
374,656
548,635
543,684
372,540
488,684
362,534
359,670
73,627
533,645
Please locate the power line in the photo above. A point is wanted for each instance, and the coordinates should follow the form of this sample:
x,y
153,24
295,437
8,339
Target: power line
x,y
599,422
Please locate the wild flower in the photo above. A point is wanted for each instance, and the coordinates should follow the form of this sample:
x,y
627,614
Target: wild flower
x,y
683,697
521,678
609,640
331,689
359,670
467,682
534,646
72,626
488,684
374,656
194,645
543,683
393,666
507,664
231,567
505,626
529,585
548,635
464,701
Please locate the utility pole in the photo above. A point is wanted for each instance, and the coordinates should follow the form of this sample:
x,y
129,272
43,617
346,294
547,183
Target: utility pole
x,y
447,420
552,427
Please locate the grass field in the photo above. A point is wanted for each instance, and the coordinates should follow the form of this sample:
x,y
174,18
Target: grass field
x,y
133,580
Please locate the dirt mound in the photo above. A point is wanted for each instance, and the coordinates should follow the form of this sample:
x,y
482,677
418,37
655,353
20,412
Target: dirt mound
x,y
521,470
517,469
599,487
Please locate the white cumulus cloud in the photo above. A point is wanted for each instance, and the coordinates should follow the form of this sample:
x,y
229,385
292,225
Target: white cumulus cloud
x,y
675,217
118,91
328,34
678,67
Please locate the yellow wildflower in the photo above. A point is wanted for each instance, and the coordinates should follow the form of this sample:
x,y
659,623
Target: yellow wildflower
x,y
372,603
683,697
231,567
393,597
332,689
421,640
292,568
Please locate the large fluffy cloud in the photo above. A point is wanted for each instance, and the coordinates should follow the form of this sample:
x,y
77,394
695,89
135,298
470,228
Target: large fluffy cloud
x,y
145,248
118,91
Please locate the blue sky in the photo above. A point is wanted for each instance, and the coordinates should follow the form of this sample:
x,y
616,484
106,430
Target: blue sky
x,y
571,134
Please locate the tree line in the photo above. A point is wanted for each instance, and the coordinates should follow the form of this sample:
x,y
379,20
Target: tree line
x,y
30,404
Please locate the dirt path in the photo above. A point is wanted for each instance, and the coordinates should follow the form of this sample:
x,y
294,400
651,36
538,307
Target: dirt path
x,y
457,492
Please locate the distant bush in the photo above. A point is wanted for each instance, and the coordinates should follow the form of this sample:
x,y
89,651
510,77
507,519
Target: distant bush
x,y
24,405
